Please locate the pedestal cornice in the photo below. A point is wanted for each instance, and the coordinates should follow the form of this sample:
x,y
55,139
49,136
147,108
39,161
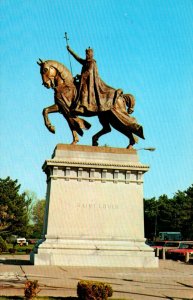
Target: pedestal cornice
x,y
95,164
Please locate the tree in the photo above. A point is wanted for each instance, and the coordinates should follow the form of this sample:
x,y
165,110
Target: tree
x,y
13,209
150,217
189,196
165,214
32,197
38,211
183,216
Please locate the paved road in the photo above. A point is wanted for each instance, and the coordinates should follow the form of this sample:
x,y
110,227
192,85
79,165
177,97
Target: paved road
x,y
172,280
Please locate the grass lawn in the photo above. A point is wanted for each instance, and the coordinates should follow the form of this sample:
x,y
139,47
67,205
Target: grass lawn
x,y
18,249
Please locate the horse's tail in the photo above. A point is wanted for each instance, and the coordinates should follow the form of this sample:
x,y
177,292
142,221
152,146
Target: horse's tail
x,y
130,102
78,124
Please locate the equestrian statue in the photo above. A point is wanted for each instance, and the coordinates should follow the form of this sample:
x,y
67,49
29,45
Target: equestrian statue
x,y
88,95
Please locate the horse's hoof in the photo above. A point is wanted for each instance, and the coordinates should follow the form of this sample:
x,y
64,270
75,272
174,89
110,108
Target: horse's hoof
x,y
130,147
95,143
74,143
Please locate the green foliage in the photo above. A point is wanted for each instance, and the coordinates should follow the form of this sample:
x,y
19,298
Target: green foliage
x,y
93,290
38,211
17,249
150,217
3,245
175,214
13,209
32,198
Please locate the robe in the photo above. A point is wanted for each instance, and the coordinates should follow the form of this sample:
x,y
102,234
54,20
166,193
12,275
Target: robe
x,y
94,95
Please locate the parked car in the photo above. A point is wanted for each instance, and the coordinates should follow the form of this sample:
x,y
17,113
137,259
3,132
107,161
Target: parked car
x,y
180,252
21,241
158,244
172,244
170,236
32,241
167,244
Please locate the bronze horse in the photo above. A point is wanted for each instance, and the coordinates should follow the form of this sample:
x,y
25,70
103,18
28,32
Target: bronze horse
x,y
56,76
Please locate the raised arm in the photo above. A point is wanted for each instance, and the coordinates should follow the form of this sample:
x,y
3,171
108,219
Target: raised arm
x,y
80,60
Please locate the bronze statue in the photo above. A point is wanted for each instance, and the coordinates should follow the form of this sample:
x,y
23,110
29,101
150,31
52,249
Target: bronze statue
x,y
93,94
88,96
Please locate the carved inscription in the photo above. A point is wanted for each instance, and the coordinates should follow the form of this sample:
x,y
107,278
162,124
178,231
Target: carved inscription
x,y
97,205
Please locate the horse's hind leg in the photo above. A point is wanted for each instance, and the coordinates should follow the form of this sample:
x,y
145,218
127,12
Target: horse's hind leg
x,y
75,137
103,118
123,129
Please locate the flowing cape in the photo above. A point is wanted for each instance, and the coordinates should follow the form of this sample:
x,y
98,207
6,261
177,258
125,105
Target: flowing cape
x,y
94,94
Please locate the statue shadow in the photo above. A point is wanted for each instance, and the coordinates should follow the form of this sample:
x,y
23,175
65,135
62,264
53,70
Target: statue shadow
x,y
69,298
40,297
16,261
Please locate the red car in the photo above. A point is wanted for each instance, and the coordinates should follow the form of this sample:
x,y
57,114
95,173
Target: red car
x,y
166,244
160,245
180,252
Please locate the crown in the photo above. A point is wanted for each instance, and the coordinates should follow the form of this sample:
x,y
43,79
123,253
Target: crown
x,y
89,50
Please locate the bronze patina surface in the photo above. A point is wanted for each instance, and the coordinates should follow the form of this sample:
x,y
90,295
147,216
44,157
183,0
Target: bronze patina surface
x,y
88,95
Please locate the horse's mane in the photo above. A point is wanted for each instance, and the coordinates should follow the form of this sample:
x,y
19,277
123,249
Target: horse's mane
x,y
64,72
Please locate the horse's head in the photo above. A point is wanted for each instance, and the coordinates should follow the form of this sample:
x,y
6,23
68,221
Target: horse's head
x,y
48,72
54,73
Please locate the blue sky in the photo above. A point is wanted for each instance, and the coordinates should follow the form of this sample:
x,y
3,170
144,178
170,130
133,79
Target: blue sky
x,y
144,47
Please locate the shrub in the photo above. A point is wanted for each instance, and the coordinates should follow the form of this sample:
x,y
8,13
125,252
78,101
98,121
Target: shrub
x,y
93,290
31,289
12,250
3,245
27,251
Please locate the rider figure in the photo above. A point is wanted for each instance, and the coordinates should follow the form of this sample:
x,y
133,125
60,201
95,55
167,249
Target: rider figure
x,y
93,94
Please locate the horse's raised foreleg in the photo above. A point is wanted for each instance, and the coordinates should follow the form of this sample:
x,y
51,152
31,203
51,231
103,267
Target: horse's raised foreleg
x,y
103,118
48,110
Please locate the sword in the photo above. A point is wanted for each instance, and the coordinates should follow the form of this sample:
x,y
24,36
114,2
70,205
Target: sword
x,y
67,39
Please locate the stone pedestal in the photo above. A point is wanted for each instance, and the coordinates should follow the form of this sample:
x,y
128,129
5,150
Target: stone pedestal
x,y
94,210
